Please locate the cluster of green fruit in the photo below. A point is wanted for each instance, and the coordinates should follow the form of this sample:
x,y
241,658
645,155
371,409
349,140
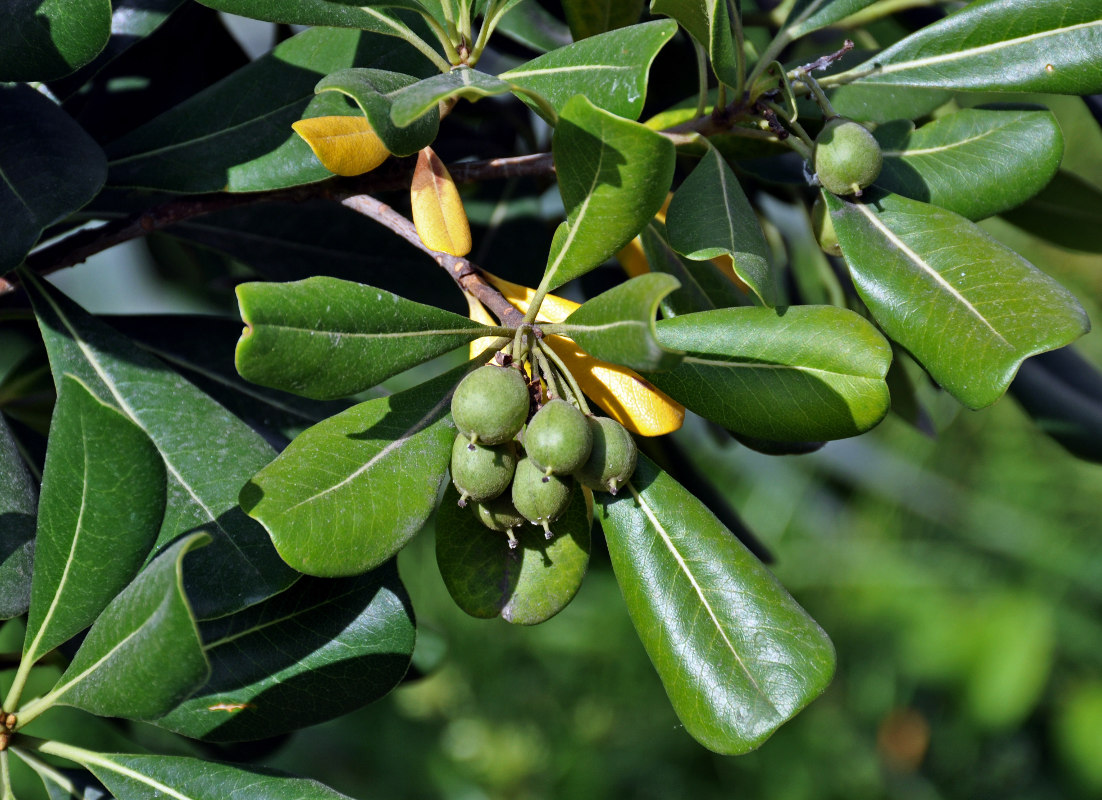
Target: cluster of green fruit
x,y
538,467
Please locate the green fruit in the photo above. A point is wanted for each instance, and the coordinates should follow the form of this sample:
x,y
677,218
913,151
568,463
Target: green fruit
x,y
612,460
558,438
540,499
499,514
823,226
490,405
847,157
482,472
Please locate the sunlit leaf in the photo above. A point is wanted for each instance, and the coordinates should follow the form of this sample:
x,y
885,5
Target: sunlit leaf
x,y
344,145
412,102
374,90
438,211
42,40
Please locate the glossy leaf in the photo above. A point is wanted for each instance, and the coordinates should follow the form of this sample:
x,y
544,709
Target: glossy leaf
x,y
613,177
143,655
610,69
348,493
374,90
737,655
419,99
811,15
208,452
438,213
1000,45
345,145
618,325
710,216
103,498
709,22
325,338
525,585
236,135
343,644
968,308
1067,212
874,103
42,40
18,502
49,167
975,162
369,16
589,17
805,373
1062,392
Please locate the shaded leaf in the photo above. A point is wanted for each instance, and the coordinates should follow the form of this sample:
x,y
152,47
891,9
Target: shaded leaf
x,y
103,498
373,90
1067,212
811,15
525,585
869,103
660,257
709,22
42,40
738,657
533,26
49,167
369,16
18,501
590,17
1062,392
968,308
610,69
418,99
805,373
438,213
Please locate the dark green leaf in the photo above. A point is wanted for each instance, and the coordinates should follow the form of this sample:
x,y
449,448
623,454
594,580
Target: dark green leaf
x,y
703,286
805,373
208,452
49,167
525,585
418,99
348,493
590,17
868,103
103,497
976,162
710,216
369,16
342,644
373,90
17,518
968,308
1062,392
613,177
709,23
236,136
325,338
1003,45
610,69
533,26
737,655
1067,212
41,40
811,15
143,655
618,325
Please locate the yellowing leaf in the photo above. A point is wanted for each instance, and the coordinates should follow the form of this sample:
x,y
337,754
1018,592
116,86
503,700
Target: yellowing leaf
x,y
344,145
478,313
726,265
554,309
438,212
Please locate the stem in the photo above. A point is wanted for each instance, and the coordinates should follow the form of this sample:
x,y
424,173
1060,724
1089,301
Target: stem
x,y
818,93
37,707
405,32
20,680
493,16
6,792
547,372
780,41
702,79
444,38
464,23
574,387
796,127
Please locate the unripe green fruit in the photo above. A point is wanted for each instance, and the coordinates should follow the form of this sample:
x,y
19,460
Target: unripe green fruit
x,y
612,460
490,405
558,438
499,514
482,472
847,157
823,227
540,501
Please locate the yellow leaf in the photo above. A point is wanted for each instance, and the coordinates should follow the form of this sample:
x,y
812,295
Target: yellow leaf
x,y
438,212
478,313
344,145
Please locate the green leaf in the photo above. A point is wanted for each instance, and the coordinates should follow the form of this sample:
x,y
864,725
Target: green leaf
x,y
618,325
811,15
418,99
613,177
1067,212
143,655
703,285
805,373
325,338
103,498
709,23
975,162
738,657
373,90
343,643
867,103
526,585
42,40
590,17
236,135
533,26
49,167
366,15
18,502
208,453
1001,45
710,216
348,493
968,308
611,69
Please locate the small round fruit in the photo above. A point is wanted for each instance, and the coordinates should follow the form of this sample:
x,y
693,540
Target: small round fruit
x,y
612,460
824,228
490,405
540,499
499,514
482,472
558,438
847,157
